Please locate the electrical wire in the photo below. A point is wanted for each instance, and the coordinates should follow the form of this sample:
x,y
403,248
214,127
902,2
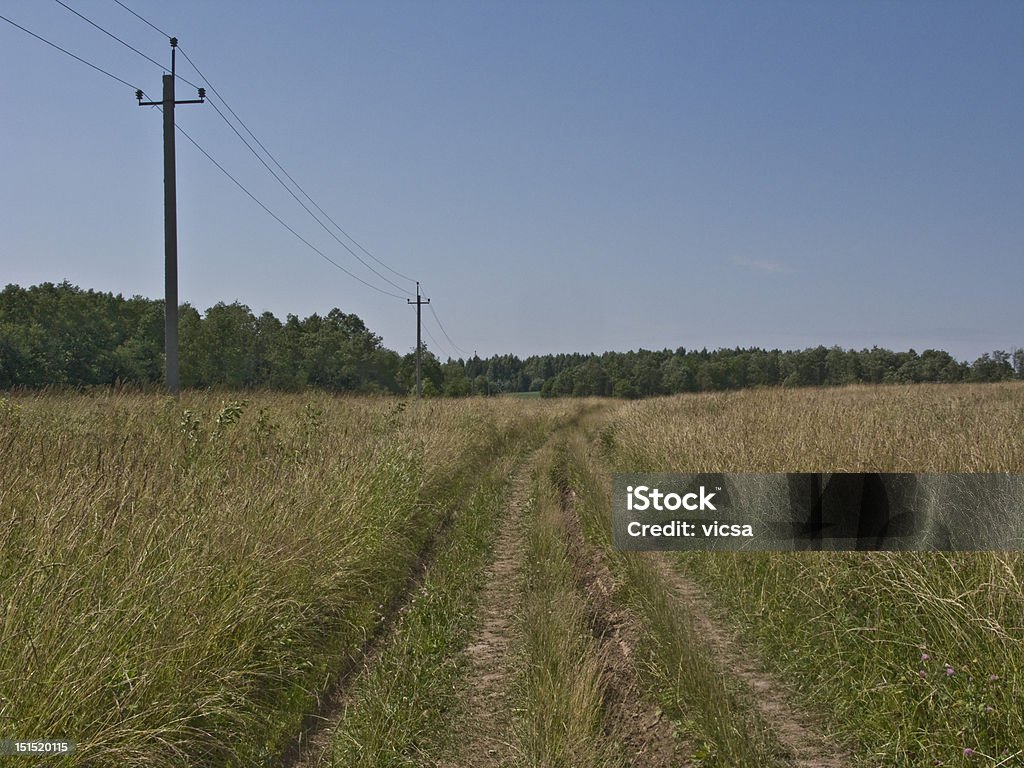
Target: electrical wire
x,y
441,326
296,197
69,53
441,347
110,34
278,219
140,18
291,179
430,336
205,153
298,186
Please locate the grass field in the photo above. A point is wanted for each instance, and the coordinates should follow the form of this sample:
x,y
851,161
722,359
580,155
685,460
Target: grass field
x,y
312,580
915,657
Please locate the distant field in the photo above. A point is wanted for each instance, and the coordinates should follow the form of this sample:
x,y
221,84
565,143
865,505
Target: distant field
x,y
212,581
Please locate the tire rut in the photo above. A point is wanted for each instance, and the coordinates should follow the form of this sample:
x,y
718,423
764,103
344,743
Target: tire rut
x,y
311,747
630,715
486,741
795,730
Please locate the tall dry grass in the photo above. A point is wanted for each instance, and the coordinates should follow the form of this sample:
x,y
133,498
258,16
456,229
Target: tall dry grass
x,y
918,428
179,579
916,657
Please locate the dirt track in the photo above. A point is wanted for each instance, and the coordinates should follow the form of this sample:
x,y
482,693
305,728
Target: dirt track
x,y
486,740
483,732
631,715
808,747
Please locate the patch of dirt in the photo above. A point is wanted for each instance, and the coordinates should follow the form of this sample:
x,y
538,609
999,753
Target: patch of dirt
x,y
794,729
631,717
492,664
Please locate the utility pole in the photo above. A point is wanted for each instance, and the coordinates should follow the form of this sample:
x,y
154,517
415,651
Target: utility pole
x,y
171,377
419,345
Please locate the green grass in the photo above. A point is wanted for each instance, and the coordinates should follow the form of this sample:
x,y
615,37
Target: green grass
x,y
180,579
849,630
561,720
396,712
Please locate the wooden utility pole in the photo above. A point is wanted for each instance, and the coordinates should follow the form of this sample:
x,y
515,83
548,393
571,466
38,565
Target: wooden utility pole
x,y
419,344
171,377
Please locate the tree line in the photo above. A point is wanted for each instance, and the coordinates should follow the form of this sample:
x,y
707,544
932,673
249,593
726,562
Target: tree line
x,y
59,334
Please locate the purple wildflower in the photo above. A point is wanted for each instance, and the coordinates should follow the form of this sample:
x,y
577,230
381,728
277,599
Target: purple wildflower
x,y
968,752
949,671
925,657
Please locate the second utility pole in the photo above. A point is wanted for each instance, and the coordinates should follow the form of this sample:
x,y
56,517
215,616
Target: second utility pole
x,y
171,378
419,344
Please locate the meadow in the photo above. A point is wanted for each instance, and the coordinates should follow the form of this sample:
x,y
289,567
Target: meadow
x,y
180,579
261,579
916,658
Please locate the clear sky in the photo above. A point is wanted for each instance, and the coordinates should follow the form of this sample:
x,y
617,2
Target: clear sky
x,y
561,176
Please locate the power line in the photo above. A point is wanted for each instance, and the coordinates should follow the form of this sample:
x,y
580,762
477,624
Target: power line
x,y
448,352
276,163
69,53
293,181
110,34
279,220
441,326
296,197
144,21
430,336
172,378
133,13
203,151
441,348
187,136
420,301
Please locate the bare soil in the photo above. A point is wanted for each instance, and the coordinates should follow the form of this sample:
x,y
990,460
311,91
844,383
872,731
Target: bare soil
x,y
486,739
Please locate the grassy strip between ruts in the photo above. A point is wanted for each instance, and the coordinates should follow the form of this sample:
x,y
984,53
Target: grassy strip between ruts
x,y
716,718
560,723
179,579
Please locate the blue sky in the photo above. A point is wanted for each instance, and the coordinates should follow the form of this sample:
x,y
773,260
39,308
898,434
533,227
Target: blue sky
x,y
561,176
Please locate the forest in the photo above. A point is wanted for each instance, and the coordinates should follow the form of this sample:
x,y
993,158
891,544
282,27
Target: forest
x,y
63,335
